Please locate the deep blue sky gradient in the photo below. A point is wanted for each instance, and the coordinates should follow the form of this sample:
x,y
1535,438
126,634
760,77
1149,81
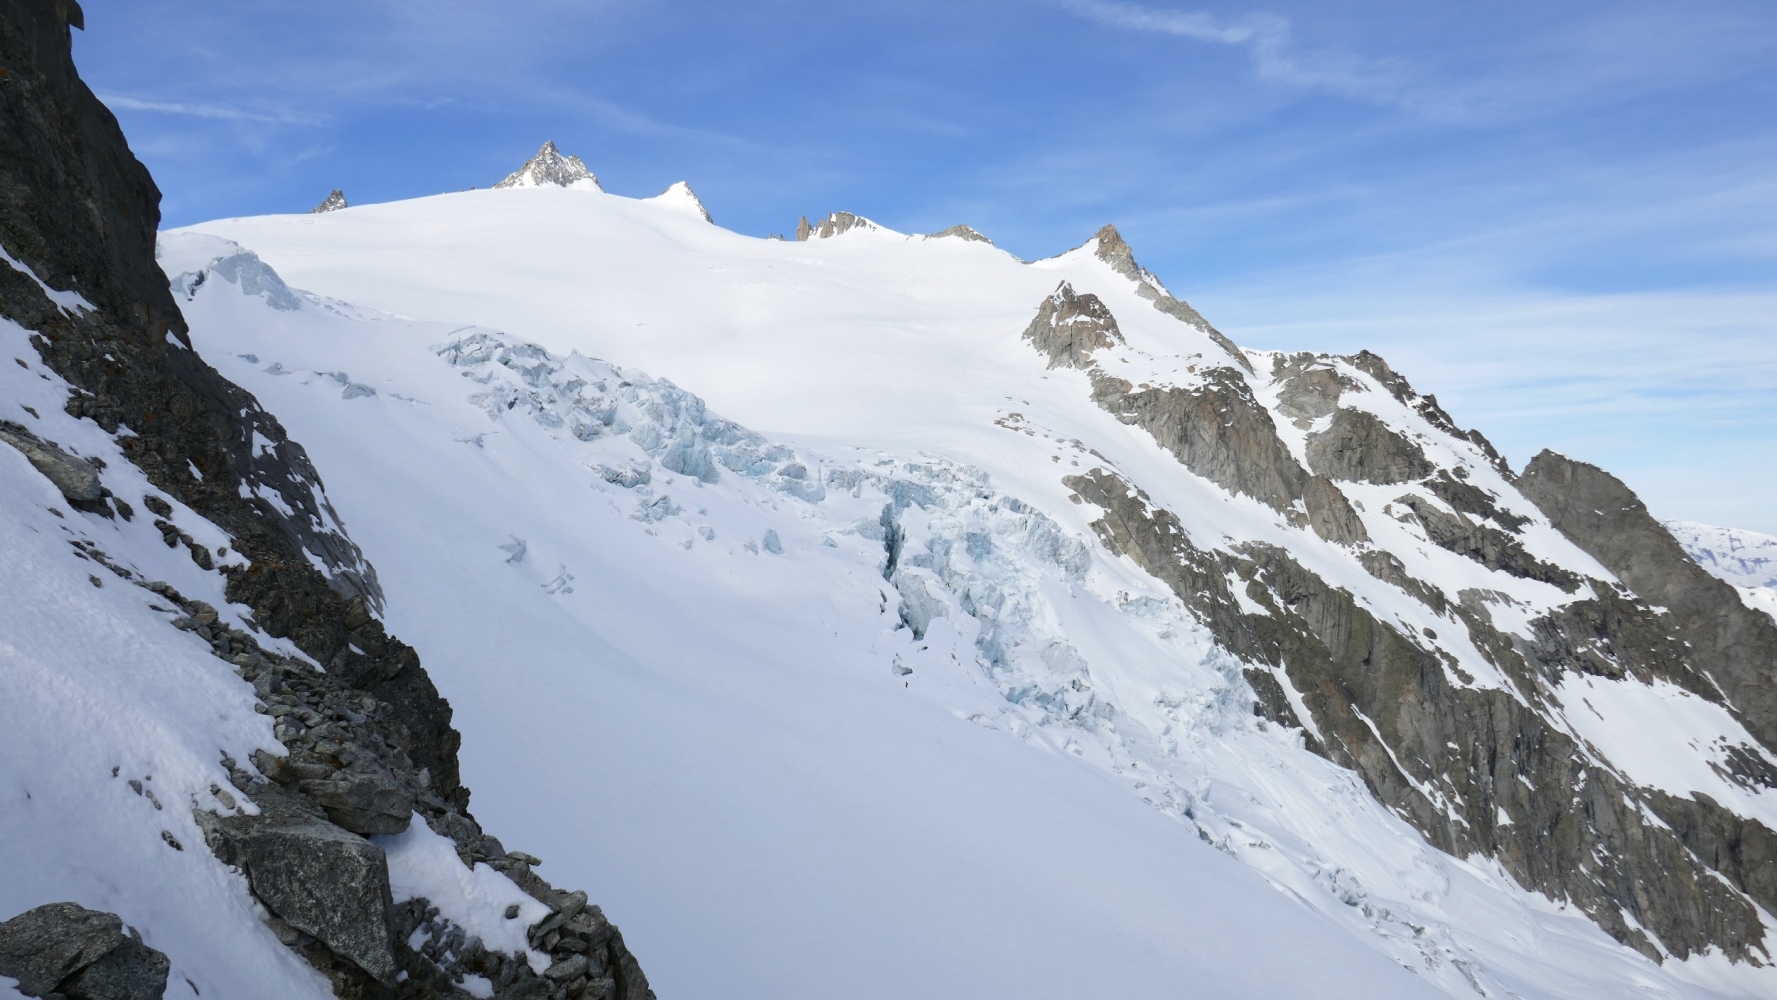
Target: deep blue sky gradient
x,y
1561,218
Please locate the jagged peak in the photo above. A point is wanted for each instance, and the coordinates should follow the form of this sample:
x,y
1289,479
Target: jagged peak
x,y
961,232
332,203
1109,246
834,224
550,168
680,196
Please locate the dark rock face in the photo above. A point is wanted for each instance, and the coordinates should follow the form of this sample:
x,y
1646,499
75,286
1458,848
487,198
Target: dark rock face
x,y
1734,644
1360,448
1485,544
1069,327
369,739
63,949
1217,430
1425,406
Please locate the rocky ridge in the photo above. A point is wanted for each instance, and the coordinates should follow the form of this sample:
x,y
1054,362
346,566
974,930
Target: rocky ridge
x,y
1488,768
332,203
368,737
549,168
834,224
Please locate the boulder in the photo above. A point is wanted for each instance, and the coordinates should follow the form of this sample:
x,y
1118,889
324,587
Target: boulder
x,y
362,799
68,950
76,479
320,879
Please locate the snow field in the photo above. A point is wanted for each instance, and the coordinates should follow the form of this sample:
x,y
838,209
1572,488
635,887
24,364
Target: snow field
x,y
781,773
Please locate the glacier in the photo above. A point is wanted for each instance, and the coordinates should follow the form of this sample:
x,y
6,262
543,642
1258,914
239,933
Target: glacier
x,y
837,635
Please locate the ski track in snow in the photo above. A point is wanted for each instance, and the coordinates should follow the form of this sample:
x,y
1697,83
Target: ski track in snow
x,y
681,672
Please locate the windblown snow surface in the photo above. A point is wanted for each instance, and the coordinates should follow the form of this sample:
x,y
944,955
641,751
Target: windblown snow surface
x,y
817,679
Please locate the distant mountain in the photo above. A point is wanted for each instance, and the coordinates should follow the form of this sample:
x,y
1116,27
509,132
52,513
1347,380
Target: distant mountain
x,y
549,168
332,203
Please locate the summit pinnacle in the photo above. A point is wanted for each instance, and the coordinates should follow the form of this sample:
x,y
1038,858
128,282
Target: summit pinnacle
x,y
550,167
332,203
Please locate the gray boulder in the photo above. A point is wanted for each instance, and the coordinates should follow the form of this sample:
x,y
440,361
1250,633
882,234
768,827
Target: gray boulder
x,y
362,799
320,879
64,949
77,479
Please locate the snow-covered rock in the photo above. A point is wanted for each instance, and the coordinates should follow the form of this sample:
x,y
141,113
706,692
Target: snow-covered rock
x,y
332,203
681,197
549,168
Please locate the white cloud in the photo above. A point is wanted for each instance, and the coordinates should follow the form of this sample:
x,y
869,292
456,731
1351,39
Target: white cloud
x,y
221,112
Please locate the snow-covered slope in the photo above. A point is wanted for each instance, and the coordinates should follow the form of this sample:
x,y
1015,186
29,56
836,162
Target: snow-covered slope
x,y
1745,559
115,723
889,689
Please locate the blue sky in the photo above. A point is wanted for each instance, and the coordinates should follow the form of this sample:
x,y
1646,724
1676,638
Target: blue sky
x,y
1560,218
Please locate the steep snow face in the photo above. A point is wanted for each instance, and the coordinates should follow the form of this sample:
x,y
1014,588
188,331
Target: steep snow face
x,y
112,723
549,168
681,197
1746,559
852,652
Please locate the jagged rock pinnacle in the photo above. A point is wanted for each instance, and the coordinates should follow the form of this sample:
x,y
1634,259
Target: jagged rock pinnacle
x,y
332,203
1110,247
832,225
550,167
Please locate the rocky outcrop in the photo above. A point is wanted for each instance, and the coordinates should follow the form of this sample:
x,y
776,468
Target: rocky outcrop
x,y
1358,447
832,225
368,736
1485,544
1216,428
66,950
1110,247
549,168
1475,769
1426,406
1069,327
1309,386
1735,645
332,203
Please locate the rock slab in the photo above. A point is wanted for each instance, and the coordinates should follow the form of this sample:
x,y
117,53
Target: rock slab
x,y
67,950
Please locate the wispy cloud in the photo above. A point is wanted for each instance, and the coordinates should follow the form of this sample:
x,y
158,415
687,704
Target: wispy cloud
x,y
219,112
1268,43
